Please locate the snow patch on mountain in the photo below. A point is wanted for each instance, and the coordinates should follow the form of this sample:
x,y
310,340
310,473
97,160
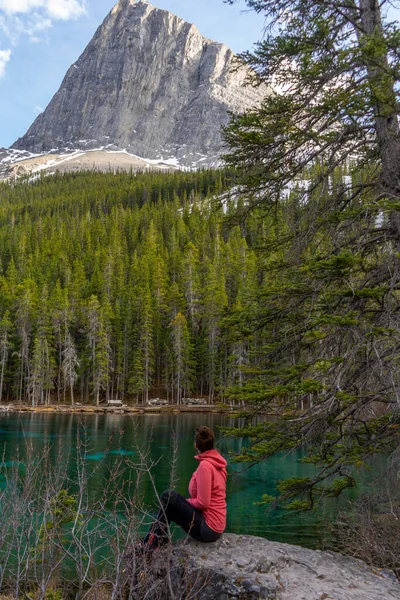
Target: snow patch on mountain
x,y
16,163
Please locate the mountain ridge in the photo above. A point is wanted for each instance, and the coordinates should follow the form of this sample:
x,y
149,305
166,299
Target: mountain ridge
x,y
149,83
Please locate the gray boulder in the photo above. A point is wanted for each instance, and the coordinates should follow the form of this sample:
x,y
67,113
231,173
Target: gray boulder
x,y
251,568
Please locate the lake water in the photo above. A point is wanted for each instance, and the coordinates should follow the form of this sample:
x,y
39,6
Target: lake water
x,y
110,437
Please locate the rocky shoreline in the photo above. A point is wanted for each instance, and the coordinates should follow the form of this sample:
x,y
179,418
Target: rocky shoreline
x,y
119,410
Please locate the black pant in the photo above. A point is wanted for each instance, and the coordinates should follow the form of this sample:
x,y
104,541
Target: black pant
x,y
176,508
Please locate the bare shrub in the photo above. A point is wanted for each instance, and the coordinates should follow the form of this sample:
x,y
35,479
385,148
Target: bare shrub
x,y
371,528
59,539
164,575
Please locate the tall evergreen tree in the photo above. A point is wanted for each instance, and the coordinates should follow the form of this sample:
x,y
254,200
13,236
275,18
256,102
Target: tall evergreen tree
x,y
25,314
99,347
42,363
191,282
70,364
329,305
143,362
182,358
215,300
5,346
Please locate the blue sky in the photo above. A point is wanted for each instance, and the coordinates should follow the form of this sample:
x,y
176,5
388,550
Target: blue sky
x,y
40,39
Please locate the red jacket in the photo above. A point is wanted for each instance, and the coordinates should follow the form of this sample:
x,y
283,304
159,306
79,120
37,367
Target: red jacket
x,y
207,489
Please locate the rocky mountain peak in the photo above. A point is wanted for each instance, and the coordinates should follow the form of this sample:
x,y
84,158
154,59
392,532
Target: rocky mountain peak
x,y
141,4
150,83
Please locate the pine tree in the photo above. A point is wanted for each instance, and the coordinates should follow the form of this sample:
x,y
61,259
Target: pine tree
x,y
25,313
215,300
60,315
42,363
191,282
182,363
99,346
5,346
141,378
70,364
322,156
339,66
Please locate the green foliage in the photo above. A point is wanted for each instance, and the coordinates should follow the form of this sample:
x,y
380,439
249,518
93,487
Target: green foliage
x,y
182,364
295,484
299,505
319,166
63,508
53,594
338,485
266,499
95,269
62,511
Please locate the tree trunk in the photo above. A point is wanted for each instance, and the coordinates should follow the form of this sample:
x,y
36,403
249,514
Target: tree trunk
x,y
382,90
59,366
3,361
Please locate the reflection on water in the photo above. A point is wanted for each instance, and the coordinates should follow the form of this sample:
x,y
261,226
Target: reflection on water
x,y
110,438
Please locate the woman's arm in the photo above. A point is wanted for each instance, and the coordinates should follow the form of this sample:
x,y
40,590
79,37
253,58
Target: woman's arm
x,y
204,483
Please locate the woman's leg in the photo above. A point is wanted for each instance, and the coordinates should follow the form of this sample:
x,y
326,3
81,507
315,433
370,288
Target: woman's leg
x,y
176,508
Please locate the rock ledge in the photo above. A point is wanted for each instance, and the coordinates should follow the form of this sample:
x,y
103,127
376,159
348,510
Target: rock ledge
x,y
249,568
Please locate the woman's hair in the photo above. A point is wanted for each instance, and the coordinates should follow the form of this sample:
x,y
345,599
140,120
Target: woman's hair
x,y
204,438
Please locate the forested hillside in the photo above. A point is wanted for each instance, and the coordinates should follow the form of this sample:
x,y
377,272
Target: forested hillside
x,y
114,286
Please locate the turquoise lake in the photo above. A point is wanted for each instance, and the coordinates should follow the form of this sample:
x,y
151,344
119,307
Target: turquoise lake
x,y
112,437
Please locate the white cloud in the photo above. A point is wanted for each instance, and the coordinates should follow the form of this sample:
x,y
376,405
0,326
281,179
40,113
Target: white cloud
x,y
12,7
32,18
5,56
65,9
12,28
31,26
35,27
55,9
41,23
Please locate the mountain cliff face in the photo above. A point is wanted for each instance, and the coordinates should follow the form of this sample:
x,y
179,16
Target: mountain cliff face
x,y
148,82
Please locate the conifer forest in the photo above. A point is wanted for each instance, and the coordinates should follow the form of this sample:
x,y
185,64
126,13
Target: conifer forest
x,y
116,286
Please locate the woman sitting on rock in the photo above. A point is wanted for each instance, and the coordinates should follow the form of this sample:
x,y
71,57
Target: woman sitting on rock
x,y
203,515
